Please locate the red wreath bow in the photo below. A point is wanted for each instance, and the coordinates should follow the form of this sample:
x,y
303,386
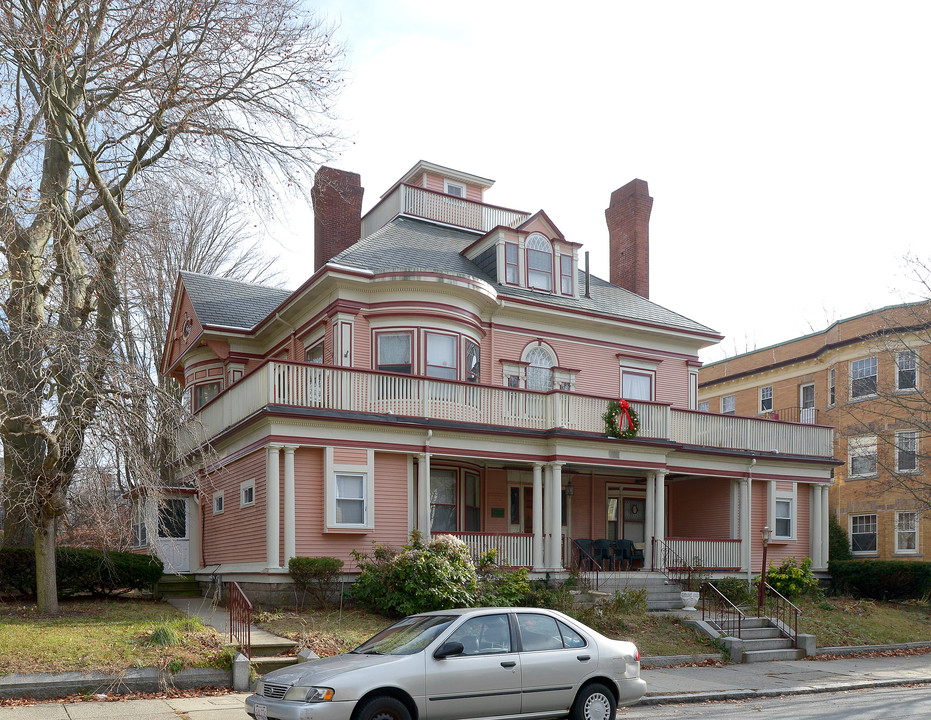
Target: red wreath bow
x,y
625,413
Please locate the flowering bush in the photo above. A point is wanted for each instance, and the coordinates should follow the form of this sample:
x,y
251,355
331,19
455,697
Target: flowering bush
x,y
791,579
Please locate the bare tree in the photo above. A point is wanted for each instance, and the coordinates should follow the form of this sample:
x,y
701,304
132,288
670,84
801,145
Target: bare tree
x,y
896,409
94,93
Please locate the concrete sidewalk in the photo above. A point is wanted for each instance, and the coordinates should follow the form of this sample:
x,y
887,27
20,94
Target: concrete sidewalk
x,y
664,685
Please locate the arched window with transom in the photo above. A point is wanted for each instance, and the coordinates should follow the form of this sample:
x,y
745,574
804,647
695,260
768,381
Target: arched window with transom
x,y
541,360
539,262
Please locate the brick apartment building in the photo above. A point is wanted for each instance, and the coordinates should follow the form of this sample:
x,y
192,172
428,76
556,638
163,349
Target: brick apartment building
x,y
866,376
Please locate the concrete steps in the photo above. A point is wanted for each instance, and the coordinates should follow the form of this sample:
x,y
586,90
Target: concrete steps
x,y
177,586
661,595
270,652
760,641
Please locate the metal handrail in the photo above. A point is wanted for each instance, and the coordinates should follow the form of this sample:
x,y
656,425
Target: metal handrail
x,y
782,610
592,575
722,612
672,565
240,619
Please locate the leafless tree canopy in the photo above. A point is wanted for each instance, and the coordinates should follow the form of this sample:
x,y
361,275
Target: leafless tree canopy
x,y
94,93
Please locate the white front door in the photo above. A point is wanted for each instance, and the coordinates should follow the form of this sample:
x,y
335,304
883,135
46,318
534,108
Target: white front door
x,y
173,545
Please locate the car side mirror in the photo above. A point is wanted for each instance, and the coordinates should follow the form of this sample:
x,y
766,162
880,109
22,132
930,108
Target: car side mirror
x,y
447,649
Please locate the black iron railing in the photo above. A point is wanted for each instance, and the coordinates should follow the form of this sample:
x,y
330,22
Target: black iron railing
x,y
678,571
717,609
776,607
240,619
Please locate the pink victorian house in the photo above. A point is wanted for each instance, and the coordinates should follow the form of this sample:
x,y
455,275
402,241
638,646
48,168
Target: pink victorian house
x,y
446,368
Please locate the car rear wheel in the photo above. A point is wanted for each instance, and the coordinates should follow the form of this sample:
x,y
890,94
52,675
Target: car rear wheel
x,y
594,702
383,707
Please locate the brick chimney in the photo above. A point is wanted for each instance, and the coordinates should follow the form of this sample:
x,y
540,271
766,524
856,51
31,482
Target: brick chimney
x,y
628,217
337,201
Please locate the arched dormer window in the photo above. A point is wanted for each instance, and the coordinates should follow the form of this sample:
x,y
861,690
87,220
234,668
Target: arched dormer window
x,y
539,263
540,359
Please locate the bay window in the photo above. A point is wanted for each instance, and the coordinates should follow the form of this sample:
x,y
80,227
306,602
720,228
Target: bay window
x,y
442,356
394,351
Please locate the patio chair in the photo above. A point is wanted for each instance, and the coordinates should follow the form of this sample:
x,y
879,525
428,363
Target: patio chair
x,y
636,553
623,552
601,551
584,548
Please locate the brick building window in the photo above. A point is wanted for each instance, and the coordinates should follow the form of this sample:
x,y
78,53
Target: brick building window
x,y
861,456
906,370
728,405
766,399
863,533
863,377
703,406
906,451
832,381
906,532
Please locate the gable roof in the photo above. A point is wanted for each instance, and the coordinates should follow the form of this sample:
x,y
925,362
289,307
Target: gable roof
x,y
221,302
414,245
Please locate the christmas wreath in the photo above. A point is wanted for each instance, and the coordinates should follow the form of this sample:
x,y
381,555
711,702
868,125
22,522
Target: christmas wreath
x,y
614,418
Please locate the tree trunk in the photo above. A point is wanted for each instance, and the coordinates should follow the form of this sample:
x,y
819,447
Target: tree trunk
x,y
19,494
46,581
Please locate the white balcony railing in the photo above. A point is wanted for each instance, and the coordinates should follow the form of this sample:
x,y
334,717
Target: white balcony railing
x,y
432,205
303,385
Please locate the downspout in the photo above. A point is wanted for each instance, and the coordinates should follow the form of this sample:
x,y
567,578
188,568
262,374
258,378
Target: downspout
x,y
750,521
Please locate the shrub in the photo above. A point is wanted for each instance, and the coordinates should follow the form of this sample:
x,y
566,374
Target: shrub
x,y
791,579
541,594
80,571
421,576
881,579
838,542
500,586
735,589
315,576
610,615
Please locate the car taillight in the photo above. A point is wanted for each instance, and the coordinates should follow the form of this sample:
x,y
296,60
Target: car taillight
x,y
637,655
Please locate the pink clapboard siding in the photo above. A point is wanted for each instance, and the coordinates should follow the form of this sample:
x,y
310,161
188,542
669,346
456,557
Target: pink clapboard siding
x,y
433,181
362,343
799,548
237,535
712,496
496,496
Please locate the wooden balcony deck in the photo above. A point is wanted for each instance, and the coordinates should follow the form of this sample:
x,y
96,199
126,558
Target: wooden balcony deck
x,y
303,385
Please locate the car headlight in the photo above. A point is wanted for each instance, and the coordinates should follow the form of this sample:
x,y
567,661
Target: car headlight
x,y
303,693
260,688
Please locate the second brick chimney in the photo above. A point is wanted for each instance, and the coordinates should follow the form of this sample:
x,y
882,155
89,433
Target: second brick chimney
x,y
337,201
628,217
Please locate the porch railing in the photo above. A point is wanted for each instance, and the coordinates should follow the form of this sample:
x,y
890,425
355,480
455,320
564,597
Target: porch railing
x,y
776,607
667,561
715,554
717,609
240,619
514,549
305,385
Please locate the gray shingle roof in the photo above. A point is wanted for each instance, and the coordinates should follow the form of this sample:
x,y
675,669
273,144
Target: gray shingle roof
x,y
230,303
408,244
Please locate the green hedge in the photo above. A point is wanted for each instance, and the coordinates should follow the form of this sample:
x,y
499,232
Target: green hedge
x,y
881,579
317,577
80,571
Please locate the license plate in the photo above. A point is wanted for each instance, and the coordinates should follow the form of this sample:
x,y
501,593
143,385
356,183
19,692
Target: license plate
x,y
261,712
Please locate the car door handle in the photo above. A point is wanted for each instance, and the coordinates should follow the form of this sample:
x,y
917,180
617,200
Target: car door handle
x,y
508,664
583,658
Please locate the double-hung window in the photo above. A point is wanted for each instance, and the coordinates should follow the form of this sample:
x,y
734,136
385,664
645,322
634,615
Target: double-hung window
x,y
906,451
539,263
636,385
511,267
443,490
906,532
863,533
394,351
728,405
783,515
766,399
863,377
350,498
204,393
906,370
861,456
832,379
442,356
565,274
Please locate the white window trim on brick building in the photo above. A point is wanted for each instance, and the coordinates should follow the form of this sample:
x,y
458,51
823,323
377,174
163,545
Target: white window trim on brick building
x,y
906,533
728,404
864,378
906,370
766,399
859,448
906,449
867,526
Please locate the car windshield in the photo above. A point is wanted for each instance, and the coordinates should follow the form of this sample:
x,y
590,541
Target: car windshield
x,y
407,636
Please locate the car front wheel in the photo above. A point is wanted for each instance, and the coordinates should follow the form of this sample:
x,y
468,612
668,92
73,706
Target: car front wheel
x,y
383,708
594,702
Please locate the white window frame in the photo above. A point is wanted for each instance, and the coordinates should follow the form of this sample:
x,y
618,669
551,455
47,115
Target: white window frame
x,y
412,357
900,518
202,385
693,389
140,525
732,403
874,533
467,374
218,503
430,370
563,276
862,369
314,348
764,396
529,369
782,498
540,239
861,446
901,354
903,437
447,184
832,387
510,279
639,372
247,488
331,470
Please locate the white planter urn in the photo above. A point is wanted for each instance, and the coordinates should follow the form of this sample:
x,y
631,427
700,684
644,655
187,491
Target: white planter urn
x,y
688,599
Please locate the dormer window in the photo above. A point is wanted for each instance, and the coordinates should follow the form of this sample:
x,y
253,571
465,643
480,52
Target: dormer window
x,y
511,267
453,188
565,274
539,263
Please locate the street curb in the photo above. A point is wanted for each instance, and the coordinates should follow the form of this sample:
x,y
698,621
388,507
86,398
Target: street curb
x,y
750,694
665,661
857,649
44,686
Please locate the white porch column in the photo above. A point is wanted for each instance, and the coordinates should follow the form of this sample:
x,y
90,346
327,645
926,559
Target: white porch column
x,y
825,526
556,519
746,486
538,562
659,519
648,521
423,495
272,513
816,558
290,548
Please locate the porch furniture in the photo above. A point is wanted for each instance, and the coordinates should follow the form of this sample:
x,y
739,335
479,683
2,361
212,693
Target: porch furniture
x,y
623,552
601,550
584,550
637,554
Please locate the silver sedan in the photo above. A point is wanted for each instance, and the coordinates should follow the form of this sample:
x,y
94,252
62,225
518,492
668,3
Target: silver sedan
x,y
460,664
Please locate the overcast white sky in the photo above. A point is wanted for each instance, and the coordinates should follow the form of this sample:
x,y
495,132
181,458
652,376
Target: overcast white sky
x,y
787,145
